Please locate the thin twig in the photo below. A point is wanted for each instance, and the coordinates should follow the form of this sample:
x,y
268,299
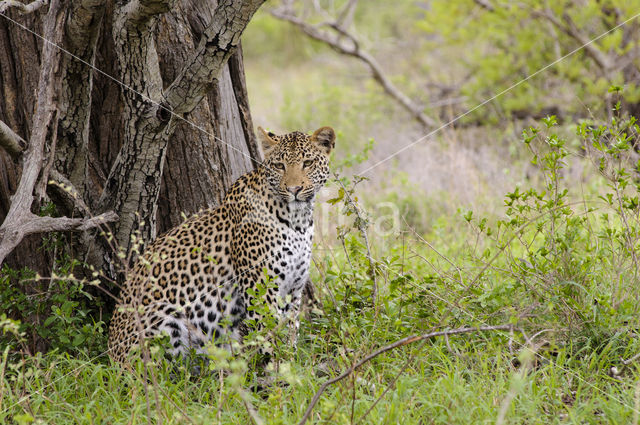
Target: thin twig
x,y
352,48
361,224
423,240
399,343
631,360
568,27
176,405
393,382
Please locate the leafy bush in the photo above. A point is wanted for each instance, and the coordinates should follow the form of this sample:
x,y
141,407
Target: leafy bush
x,y
502,43
562,258
53,313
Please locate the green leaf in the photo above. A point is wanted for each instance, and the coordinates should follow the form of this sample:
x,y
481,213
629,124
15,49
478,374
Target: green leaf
x,y
25,418
79,339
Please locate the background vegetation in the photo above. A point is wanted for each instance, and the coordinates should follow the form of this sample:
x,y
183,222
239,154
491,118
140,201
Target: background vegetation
x,y
522,212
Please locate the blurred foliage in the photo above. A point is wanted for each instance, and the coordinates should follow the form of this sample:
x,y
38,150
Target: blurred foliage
x,y
512,41
441,51
53,312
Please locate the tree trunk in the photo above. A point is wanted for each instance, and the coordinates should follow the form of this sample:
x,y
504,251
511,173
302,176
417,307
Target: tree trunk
x,y
19,50
159,129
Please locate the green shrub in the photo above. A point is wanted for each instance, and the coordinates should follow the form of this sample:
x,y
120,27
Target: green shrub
x,y
54,312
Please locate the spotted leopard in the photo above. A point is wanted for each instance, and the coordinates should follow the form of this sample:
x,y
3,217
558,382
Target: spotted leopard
x,y
195,282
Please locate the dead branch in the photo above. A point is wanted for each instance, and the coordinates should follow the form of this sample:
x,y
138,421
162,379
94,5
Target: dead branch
x,y
352,48
68,192
15,146
37,224
251,410
631,360
395,379
346,15
45,112
20,221
12,232
21,7
567,26
400,343
11,142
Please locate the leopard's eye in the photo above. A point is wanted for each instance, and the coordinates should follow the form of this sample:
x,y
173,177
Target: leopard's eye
x,y
278,165
307,163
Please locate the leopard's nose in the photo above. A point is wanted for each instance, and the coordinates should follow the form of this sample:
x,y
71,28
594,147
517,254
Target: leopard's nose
x,y
294,189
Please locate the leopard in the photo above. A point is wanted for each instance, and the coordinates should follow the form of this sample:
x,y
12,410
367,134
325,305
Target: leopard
x,y
197,282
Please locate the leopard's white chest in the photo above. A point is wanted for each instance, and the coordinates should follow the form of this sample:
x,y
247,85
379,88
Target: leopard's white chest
x,y
294,256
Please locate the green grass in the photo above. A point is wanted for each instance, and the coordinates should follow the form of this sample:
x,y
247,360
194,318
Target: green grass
x,y
561,267
466,382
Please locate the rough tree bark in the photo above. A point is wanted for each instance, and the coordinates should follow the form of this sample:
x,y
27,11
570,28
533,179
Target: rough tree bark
x,y
133,184
150,116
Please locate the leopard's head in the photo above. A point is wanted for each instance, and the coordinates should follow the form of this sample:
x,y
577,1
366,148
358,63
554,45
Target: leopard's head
x,y
296,164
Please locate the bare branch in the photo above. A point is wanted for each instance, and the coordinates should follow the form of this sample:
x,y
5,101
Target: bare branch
x,y
19,221
21,7
346,15
251,410
567,26
45,110
11,142
631,360
11,231
400,343
216,46
68,192
59,224
28,224
16,145
352,48
20,209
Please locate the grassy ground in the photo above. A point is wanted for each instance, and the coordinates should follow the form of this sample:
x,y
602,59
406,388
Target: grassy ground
x,y
471,381
473,227
564,362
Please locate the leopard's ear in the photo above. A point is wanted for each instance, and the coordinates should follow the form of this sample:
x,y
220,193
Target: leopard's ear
x,y
267,140
325,139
